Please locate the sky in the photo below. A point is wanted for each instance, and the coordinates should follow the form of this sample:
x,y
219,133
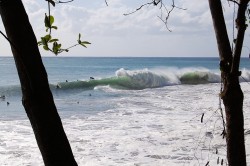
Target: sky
x,y
139,34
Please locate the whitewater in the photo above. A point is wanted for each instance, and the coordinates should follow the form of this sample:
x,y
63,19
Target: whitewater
x,y
135,112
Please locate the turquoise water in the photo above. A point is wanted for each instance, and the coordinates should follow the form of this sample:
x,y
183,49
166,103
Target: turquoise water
x,y
72,76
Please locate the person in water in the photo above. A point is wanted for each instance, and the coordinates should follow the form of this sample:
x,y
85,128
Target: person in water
x,y
91,78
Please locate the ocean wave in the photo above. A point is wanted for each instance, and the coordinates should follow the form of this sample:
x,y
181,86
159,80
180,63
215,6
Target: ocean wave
x,y
200,77
145,78
139,79
10,90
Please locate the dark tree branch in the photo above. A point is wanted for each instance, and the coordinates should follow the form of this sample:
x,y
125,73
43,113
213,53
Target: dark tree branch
x,y
162,18
64,1
126,14
232,94
37,97
165,22
167,17
7,38
241,26
221,32
234,1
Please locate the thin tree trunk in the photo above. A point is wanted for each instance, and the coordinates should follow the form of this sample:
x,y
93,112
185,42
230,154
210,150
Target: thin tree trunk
x,y
37,97
232,94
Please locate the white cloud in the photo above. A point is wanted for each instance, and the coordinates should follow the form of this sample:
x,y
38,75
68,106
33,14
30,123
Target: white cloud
x,y
112,33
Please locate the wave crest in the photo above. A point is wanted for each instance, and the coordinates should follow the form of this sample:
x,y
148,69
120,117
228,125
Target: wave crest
x,y
139,79
145,78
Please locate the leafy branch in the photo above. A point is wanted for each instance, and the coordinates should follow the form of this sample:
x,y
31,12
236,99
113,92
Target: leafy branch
x,y
52,44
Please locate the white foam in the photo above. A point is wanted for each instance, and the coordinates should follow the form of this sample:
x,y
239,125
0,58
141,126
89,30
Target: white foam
x,y
245,76
157,127
148,78
159,77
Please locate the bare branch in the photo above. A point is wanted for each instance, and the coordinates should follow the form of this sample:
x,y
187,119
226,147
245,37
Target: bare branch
x,y
64,1
7,39
139,8
165,22
106,2
234,1
174,6
162,6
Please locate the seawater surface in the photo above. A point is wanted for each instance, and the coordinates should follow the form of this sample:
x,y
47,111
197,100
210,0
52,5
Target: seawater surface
x,y
135,112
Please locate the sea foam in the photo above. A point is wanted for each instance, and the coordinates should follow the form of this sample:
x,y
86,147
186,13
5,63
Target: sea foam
x,y
160,126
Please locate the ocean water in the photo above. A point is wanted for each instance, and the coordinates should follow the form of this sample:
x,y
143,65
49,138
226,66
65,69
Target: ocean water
x,y
125,111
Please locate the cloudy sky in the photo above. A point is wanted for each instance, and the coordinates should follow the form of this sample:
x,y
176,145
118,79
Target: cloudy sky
x,y
139,34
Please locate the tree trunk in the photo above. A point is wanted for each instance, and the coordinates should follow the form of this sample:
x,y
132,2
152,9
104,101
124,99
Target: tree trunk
x,y
37,97
232,95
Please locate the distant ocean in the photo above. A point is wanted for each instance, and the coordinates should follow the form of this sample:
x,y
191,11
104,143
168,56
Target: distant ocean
x,y
125,111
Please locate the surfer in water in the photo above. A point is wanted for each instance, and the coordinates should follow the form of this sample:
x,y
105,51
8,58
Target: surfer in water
x,y
91,78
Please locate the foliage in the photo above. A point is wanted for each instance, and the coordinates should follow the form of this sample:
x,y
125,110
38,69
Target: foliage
x,y
52,44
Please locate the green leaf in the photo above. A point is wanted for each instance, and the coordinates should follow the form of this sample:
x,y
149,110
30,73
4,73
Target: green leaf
x,y
46,48
85,42
51,20
47,38
43,40
51,2
53,40
48,20
55,47
40,43
54,27
59,46
83,45
79,37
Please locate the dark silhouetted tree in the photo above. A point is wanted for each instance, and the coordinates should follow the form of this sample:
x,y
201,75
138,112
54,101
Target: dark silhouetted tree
x,y
37,98
232,94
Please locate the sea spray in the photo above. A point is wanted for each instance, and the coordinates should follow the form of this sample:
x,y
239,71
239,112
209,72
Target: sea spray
x,y
146,78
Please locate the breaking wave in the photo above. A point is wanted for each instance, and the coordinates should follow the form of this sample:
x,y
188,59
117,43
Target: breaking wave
x,y
139,79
